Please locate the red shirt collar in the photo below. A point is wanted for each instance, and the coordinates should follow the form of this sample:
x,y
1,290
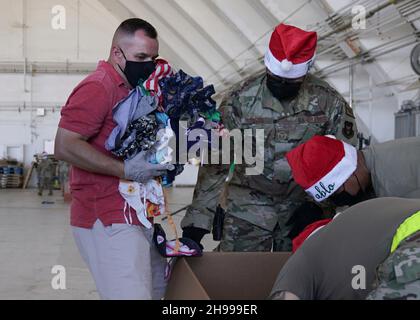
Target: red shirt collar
x,y
109,68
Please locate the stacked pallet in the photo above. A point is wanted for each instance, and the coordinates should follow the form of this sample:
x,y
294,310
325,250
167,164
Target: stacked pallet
x,y
11,175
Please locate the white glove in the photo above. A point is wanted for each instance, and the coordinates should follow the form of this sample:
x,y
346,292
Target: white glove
x,y
140,170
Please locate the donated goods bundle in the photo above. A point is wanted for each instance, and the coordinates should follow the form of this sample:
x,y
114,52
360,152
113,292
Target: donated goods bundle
x,y
11,174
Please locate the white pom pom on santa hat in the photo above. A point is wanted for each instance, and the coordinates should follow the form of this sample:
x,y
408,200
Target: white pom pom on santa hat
x,y
286,65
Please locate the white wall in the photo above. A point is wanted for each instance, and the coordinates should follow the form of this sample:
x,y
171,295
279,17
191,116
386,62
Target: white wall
x,y
43,43
23,127
17,129
37,41
374,108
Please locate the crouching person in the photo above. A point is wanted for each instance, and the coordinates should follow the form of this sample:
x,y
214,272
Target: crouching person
x,y
339,261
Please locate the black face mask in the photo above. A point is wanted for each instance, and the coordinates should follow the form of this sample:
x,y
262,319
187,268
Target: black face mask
x,y
345,199
283,89
137,72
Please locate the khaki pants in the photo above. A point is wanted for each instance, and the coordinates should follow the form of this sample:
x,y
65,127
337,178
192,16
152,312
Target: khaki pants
x,y
123,261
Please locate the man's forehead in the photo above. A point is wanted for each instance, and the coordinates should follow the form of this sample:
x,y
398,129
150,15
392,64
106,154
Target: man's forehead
x,y
142,45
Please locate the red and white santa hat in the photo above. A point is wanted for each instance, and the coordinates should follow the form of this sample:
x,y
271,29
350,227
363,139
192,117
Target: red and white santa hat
x,y
308,232
322,165
291,52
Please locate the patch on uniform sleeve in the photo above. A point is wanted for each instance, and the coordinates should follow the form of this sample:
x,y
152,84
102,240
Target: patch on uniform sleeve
x,y
348,130
349,112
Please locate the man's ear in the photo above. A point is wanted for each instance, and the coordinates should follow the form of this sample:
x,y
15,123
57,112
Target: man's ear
x,y
117,55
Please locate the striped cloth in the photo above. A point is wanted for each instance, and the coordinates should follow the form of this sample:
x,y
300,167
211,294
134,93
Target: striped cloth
x,y
163,70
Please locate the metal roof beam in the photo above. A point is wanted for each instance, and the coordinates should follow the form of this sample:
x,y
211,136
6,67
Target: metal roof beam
x,y
263,12
193,49
230,24
205,34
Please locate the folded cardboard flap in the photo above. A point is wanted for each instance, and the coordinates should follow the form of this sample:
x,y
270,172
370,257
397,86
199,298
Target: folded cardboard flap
x,y
183,284
225,276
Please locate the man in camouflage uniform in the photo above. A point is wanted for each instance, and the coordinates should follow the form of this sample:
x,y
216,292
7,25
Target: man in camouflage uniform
x,y
63,173
45,170
259,207
399,275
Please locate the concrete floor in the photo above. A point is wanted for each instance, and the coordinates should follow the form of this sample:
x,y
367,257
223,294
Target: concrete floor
x,y
34,237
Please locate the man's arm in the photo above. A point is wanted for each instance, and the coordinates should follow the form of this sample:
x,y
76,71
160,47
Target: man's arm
x,y
284,295
298,278
83,118
200,214
74,149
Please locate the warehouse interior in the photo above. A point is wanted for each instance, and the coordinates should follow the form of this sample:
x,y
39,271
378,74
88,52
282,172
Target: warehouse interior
x,y
50,46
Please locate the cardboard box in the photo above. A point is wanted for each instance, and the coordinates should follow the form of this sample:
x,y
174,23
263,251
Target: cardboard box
x,y
225,276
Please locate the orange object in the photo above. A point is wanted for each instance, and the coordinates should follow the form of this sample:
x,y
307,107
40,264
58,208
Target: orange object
x,y
153,210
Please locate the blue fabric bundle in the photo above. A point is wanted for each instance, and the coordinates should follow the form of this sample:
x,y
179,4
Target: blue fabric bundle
x,y
184,95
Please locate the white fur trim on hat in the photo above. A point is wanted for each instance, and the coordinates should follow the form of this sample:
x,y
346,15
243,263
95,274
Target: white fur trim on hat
x,y
285,68
286,65
329,184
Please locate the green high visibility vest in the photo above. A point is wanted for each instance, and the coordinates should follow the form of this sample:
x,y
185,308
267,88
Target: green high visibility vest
x,y
406,229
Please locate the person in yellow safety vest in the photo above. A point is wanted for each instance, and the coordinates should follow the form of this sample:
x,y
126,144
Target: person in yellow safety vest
x,y
370,251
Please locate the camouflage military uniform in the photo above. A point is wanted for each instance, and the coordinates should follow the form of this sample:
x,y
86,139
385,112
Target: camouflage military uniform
x,y
399,275
259,207
63,173
45,171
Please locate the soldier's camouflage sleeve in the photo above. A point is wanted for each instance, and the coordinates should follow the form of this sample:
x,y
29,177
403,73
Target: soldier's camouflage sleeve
x,y
206,197
211,179
342,122
398,277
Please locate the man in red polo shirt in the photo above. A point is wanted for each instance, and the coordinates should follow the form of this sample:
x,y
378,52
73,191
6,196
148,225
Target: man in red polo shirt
x,y
121,257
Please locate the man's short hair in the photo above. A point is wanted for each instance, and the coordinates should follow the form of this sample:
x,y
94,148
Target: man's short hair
x,y
131,26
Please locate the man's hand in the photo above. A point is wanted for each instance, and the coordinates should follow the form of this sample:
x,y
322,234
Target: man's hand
x,y
74,149
140,170
284,295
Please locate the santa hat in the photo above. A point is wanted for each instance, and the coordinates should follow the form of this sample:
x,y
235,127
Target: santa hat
x,y
309,232
322,165
291,52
